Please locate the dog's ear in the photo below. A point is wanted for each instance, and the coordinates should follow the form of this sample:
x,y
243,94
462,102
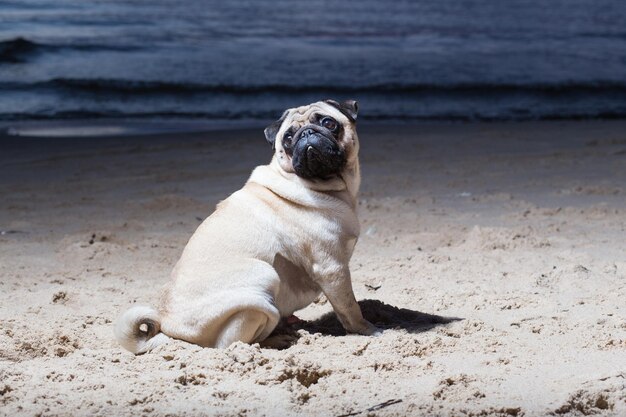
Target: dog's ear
x,y
272,130
350,108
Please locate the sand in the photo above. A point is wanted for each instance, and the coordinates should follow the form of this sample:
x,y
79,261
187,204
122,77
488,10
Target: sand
x,y
493,255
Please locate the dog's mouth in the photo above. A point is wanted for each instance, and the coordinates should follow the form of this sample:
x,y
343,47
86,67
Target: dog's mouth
x,y
316,154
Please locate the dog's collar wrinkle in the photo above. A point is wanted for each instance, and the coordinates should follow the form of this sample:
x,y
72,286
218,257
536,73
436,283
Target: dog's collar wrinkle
x,y
304,196
352,199
268,189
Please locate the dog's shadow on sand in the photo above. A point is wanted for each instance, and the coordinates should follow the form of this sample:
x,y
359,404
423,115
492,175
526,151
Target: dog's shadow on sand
x,y
383,316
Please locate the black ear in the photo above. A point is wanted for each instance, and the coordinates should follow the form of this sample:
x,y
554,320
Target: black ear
x,y
349,107
272,130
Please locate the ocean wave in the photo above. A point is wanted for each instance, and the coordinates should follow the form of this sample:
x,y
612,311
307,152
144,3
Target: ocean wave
x,y
19,50
271,114
16,50
88,114
113,86
74,98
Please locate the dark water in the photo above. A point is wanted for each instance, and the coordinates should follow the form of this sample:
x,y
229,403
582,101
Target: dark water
x,y
215,59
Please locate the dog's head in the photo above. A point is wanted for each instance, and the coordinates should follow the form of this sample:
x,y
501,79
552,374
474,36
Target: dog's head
x,y
318,141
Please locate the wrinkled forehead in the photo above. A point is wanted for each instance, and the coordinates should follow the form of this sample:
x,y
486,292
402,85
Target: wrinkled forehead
x,y
306,114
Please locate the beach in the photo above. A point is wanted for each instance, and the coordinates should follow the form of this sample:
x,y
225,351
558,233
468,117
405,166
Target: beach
x,y
493,255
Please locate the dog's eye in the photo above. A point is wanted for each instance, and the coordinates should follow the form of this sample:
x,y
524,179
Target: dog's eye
x,y
287,139
329,124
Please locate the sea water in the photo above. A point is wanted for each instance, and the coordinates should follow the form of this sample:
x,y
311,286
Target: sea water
x,y
250,59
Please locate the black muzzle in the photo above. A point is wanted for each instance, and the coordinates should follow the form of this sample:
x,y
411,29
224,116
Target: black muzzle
x,y
316,155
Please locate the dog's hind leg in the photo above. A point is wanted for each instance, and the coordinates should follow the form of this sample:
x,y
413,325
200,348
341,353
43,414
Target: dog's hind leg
x,y
248,326
242,310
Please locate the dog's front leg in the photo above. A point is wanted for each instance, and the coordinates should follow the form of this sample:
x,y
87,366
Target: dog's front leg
x,y
337,287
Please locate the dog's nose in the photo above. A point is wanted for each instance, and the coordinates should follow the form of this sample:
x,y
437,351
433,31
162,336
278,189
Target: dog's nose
x,y
307,132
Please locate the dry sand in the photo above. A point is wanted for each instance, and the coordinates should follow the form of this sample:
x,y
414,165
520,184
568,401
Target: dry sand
x,y
516,229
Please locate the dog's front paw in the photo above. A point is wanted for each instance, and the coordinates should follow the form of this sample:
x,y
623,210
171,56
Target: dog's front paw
x,y
373,330
366,328
377,332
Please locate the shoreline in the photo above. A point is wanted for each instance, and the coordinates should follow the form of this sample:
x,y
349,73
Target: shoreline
x,y
133,127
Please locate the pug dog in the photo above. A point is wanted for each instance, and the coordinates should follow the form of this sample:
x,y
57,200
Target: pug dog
x,y
270,248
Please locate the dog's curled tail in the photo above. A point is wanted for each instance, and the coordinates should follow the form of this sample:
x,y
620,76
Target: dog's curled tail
x,y
139,329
